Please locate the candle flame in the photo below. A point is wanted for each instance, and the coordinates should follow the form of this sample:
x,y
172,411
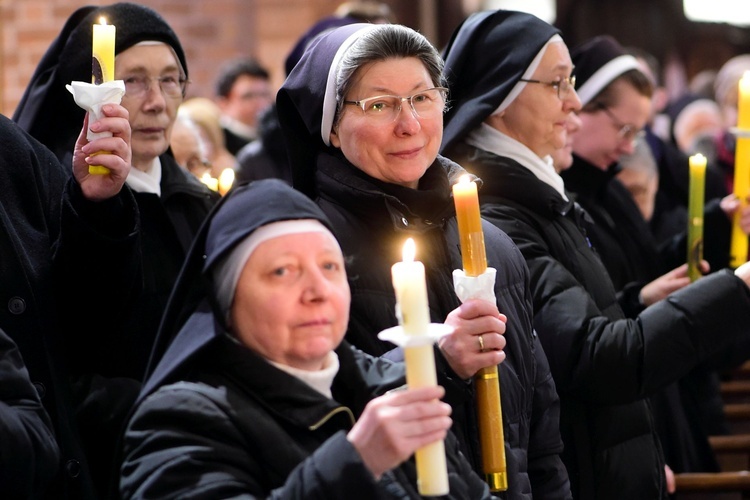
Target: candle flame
x,y
226,179
103,20
464,179
410,249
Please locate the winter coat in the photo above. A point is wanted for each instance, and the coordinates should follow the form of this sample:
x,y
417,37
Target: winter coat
x,y
239,426
604,365
60,256
371,220
28,451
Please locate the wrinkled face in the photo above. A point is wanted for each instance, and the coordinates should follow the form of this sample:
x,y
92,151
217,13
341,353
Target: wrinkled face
x,y
153,113
538,117
291,305
247,99
562,158
400,151
600,141
188,149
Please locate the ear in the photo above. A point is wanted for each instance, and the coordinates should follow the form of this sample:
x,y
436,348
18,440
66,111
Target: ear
x,y
334,138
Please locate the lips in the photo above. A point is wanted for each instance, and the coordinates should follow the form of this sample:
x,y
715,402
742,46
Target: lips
x,y
407,153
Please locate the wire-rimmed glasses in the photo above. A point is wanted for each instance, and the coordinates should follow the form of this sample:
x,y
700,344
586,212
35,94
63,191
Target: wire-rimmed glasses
x,y
563,86
172,85
625,131
386,108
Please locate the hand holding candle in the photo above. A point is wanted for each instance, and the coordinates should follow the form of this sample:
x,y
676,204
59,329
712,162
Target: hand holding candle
x,y
695,215
411,296
741,171
487,380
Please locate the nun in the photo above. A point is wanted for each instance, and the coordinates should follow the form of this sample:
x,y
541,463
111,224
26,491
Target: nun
x,y
362,115
258,395
507,119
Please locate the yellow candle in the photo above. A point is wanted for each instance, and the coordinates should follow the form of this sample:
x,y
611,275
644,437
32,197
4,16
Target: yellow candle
x,y
741,171
103,60
695,215
411,293
226,179
102,65
487,380
469,226
213,184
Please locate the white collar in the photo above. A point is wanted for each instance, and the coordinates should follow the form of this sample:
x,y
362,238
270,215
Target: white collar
x,y
320,380
148,181
493,141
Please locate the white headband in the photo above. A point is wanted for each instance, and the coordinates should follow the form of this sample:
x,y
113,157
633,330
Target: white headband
x,y
329,98
227,272
518,87
605,75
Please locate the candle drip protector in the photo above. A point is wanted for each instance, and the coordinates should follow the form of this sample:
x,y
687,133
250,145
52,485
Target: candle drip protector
x,y
92,97
475,287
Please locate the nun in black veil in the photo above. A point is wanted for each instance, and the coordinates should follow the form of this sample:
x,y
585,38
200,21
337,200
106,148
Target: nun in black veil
x,y
257,394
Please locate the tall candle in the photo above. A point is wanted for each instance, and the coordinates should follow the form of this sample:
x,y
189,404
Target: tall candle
x,y
103,53
487,380
470,226
741,189
695,215
411,293
102,65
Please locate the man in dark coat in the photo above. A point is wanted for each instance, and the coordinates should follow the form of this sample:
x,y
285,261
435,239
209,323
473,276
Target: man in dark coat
x,y
604,365
68,261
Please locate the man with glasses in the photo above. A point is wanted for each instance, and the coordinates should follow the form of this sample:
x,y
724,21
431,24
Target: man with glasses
x,y
110,360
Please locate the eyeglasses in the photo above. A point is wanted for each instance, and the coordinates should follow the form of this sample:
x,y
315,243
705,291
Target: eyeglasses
x,y
626,131
386,108
562,86
173,86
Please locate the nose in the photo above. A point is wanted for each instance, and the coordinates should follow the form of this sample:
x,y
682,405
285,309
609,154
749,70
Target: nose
x,y
155,97
317,287
407,120
573,101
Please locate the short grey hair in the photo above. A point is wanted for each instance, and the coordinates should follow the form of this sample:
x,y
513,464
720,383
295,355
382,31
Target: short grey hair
x,y
385,42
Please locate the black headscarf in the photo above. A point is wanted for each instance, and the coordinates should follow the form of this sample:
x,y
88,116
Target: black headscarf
x,y
484,60
192,319
325,24
598,62
300,102
47,110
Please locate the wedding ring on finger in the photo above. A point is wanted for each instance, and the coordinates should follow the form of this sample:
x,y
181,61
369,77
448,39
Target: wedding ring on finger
x,y
481,343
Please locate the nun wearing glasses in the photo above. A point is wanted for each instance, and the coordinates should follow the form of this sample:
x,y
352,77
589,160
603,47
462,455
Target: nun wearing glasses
x,y
508,117
362,114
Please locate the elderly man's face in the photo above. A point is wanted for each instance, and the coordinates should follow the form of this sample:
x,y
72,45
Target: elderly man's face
x,y
292,300
152,103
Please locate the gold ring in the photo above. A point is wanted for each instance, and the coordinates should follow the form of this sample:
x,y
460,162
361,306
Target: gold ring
x,y
481,343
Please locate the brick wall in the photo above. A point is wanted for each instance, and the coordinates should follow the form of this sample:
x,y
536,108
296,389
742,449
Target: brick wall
x,y
211,32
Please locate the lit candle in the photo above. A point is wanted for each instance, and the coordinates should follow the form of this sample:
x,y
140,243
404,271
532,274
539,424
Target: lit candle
x,y
741,171
411,294
487,380
695,215
103,53
469,226
226,179
102,65
213,184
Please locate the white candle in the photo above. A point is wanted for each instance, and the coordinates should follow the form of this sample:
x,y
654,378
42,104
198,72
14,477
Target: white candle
x,y
411,294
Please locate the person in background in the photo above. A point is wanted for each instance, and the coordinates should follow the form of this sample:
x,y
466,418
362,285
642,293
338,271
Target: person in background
x,y
188,147
207,115
640,176
243,92
109,364
362,117
69,260
507,117
265,368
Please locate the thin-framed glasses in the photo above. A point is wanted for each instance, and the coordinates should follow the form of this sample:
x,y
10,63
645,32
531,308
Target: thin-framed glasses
x,y
625,131
173,86
562,86
385,108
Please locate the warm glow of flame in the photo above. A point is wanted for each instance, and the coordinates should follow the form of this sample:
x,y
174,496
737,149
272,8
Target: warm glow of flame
x,y
103,20
410,249
464,179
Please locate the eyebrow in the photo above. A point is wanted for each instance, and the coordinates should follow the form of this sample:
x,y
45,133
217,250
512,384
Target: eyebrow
x,y
143,69
387,91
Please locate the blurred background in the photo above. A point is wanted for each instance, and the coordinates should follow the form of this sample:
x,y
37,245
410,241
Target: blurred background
x,y
687,37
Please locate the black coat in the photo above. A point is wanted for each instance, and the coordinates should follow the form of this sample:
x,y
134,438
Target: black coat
x,y
371,220
28,451
236,425
604,365
59,256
